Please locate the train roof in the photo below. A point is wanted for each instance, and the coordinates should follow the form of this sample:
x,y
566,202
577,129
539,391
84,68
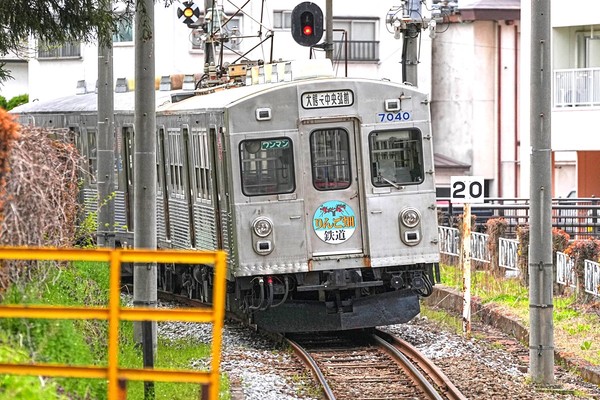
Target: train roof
x,y
228,97
217,98
221,98
88,102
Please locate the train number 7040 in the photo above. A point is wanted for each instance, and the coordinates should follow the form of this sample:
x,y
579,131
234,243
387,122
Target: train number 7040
x,y
394,117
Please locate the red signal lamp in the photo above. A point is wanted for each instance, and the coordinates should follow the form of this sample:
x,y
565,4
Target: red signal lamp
x,y
307,30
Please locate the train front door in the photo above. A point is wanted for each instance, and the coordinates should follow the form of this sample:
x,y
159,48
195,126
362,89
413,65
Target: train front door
x,y
332,191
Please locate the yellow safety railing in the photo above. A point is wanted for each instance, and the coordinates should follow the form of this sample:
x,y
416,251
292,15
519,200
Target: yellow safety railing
x,y
114,313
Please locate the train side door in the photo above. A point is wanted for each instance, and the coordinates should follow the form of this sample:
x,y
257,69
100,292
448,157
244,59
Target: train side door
x,y
128,137
164,226
332,192
189,183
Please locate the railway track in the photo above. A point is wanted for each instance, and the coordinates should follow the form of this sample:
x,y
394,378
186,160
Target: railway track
x,y
371,365
366,364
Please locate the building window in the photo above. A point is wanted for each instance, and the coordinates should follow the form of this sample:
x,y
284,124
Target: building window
x,y
66,50
361,35
282,19
124,31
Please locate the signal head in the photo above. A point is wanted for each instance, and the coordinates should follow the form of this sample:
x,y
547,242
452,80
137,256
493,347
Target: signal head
x,y
307,23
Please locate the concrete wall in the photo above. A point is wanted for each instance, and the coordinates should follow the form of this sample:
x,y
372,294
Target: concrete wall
x,y
465,101
20,84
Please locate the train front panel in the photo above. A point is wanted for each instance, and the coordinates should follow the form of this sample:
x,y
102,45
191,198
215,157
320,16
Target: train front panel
x,y
333,194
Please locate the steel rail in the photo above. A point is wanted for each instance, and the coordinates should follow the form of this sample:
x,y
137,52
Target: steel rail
x,y
314,368
412,371
450,391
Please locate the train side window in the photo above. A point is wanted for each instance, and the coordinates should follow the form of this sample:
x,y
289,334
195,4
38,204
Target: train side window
x,y
201,164
175,163
330,159
267,166
396,157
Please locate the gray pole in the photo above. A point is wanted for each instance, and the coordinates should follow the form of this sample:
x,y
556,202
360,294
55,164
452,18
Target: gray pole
x,y
541,337
329,30
410,43
106,143
144,212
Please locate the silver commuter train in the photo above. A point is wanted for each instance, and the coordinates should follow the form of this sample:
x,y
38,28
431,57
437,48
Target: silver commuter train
x,y
321,191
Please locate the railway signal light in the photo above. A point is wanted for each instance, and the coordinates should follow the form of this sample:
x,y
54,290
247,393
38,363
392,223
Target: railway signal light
x,y
307,23
188,13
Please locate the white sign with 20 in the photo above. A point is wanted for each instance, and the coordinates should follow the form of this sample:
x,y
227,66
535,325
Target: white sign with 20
x,y
466,189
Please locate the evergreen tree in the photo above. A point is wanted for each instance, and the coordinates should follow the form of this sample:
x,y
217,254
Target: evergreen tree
x,y
53,22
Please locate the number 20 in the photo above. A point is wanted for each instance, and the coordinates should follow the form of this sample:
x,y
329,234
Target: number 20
x,y
475,190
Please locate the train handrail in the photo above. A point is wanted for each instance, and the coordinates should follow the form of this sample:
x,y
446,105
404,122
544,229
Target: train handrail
x,y
114,313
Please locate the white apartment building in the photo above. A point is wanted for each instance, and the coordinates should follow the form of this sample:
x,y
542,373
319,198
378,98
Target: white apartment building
x,y
372,50
476,70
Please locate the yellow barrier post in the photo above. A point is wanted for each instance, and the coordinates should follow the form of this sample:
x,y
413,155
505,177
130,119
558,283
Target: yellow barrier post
x,y
114,314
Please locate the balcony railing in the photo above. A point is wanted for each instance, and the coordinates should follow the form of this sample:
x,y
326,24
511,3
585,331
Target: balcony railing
x,y
66,50
358,50
577,87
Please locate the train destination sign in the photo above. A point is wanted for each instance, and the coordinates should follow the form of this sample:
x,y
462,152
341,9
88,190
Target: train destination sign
x,y
327,99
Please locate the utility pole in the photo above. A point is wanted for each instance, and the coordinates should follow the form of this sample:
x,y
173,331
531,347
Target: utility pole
x,y
211,17
541,337
407,22
329,30
106,142
410,43
144,162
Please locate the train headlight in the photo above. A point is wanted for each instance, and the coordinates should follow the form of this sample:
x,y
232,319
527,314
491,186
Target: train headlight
x,y
262,226
410,217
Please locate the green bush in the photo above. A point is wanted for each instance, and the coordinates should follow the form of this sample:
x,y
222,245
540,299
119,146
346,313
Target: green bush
x,y
17,101
3,103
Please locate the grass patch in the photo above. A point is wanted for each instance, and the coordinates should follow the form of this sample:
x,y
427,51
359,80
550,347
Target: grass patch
x,y
179,354
448,321
574,331
82,342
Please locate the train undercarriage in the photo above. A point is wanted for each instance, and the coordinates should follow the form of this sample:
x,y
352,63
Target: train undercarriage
x,y
313,301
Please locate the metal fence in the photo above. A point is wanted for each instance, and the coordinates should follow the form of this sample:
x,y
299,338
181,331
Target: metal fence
x,y
592,277
578,217
449,244
508,254
508,258
565,270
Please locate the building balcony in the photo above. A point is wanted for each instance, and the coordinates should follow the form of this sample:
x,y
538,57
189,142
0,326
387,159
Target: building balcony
x,y
66,50
577,87
357,50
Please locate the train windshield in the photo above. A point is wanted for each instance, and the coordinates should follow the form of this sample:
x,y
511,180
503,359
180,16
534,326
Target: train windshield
x,y
267,166
396,157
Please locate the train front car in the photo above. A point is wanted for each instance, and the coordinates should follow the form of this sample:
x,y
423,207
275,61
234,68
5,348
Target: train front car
x,y
334,204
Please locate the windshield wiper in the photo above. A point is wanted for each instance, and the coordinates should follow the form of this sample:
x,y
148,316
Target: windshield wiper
x,y
394,184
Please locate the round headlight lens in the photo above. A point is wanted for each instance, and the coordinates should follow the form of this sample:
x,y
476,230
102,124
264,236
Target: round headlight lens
x,y
410,217
262,227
